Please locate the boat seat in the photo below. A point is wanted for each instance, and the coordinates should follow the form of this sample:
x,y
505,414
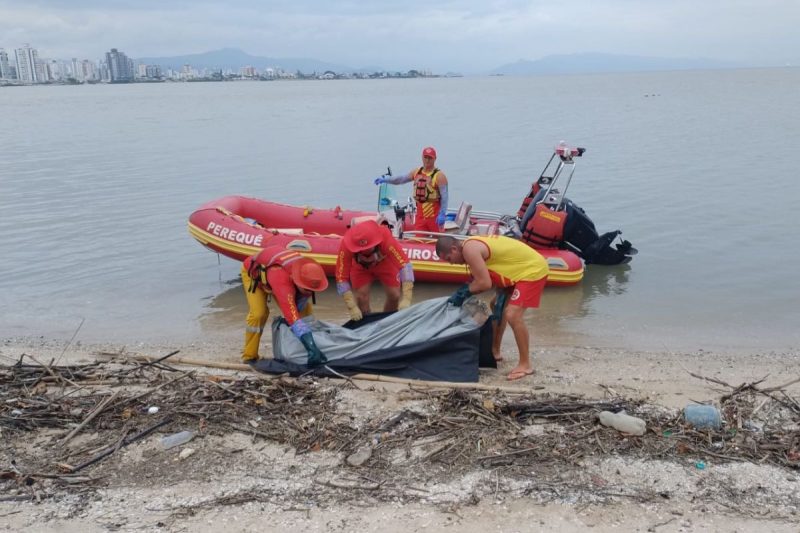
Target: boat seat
x,y
460,225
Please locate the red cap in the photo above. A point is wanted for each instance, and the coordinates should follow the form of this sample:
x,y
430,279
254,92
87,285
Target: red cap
x,y
308,274
363,236
430,151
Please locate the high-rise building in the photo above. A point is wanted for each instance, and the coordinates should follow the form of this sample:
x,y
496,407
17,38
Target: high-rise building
x,y
187,72
88,71
120,67
55,70
153,72
5,68
29,68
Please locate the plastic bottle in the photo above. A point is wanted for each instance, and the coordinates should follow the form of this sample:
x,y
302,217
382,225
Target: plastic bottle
x,y
702,416
623,422
176,439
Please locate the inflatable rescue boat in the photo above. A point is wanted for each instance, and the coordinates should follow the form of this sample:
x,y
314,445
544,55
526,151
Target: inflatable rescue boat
x,y
238,226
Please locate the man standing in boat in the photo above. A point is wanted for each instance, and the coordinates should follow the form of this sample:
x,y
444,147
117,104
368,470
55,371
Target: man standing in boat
x,y
515,269
430,192
369,252
291,280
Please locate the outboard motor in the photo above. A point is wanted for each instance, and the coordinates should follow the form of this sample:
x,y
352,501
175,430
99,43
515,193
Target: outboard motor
x,y
548,219
581,237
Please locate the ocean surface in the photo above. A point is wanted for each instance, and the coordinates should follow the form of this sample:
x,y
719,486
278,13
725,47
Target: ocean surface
x,y
697,168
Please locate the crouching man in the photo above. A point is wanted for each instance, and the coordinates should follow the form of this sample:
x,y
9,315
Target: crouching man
x,y
291,280
369,252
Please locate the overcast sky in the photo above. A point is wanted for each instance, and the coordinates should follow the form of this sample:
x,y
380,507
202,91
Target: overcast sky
x,y
443,35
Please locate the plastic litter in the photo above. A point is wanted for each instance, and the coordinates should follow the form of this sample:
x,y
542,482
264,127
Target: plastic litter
x,y
360,457
185,453
152,410
702,416
176,439
752,425
623,422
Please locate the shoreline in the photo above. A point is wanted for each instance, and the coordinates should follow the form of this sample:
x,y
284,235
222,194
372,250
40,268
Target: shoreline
x,y
656,376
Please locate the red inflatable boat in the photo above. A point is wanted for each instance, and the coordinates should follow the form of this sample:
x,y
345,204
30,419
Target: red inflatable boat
x,y
238,227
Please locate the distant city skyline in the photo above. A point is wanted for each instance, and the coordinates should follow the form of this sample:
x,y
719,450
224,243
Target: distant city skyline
x,y
26,67
470,36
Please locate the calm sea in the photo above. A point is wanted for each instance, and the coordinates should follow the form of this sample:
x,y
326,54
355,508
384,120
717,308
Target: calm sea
x,y
697,168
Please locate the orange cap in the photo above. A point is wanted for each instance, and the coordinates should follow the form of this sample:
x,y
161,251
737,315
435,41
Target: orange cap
x,y
308,274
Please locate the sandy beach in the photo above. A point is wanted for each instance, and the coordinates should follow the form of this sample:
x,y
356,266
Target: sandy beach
x,y
237,481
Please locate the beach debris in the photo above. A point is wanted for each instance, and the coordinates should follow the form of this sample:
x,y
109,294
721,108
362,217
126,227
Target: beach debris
x,y
176,439
360,457
623,422
450,431
702,416
186,453
153,409
100,408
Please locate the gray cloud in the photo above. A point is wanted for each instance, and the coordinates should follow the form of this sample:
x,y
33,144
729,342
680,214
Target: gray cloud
x,y
467,35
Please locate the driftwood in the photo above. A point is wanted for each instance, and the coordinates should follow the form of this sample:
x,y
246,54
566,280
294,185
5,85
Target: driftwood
x,y
356,377
92,416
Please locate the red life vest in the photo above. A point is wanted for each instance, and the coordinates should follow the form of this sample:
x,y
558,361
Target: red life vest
x,y
425,186
545,229
528,199
257,265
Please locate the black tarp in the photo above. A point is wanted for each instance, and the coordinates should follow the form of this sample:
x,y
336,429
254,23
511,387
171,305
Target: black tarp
x,y
454,358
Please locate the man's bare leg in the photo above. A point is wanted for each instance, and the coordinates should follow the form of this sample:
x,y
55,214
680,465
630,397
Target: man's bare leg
x,y
392,299
499,330
524,368
362,298
497,338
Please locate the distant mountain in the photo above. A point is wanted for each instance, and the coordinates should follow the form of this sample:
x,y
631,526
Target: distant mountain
x,y
593,62
233,59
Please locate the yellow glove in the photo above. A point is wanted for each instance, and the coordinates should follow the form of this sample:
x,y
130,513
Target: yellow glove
x,y
352,307
405,299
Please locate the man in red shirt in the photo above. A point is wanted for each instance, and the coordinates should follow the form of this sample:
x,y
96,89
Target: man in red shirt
x,y
369,252
290,279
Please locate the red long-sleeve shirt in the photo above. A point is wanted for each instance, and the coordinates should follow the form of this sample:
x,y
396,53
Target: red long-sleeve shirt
x,y
285,293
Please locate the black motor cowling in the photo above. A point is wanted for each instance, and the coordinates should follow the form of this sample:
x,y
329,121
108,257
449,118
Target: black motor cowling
x,y
581,236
